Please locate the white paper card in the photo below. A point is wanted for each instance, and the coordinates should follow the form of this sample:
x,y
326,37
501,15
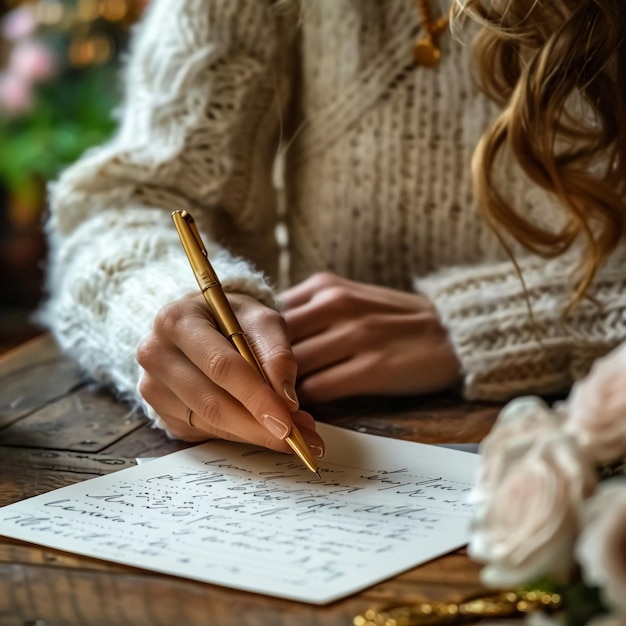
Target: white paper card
x,y
256,520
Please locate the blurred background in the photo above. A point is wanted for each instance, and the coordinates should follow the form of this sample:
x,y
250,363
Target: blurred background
x,y
59,82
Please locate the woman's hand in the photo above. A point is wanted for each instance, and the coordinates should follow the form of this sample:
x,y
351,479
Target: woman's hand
x,y
351,338
188,364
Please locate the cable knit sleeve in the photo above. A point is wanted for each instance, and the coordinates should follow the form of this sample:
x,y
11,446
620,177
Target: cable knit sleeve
x,y
197,130
503,349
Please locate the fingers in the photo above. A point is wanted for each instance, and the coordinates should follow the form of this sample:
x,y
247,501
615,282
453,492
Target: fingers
x,y
304,291
171,410
352,338
181,385
228,375
311,306
220,362
325,299
237,425
266,333
306,425
381,298
189,364
338,381
325,349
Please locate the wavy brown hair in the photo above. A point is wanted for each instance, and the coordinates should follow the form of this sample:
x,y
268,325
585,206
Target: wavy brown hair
x,y
558,68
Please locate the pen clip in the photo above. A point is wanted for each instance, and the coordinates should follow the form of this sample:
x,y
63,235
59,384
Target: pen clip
x,y
208,281
195,250
194,230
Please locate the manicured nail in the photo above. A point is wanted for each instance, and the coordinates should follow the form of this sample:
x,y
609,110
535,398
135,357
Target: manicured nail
x,y
275,426
290,392
317,451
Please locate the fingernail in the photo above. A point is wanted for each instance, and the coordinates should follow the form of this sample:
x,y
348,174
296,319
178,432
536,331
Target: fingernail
x,y
317,451
275,426
290,392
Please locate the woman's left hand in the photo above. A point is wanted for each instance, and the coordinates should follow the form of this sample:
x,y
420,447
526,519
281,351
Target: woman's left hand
x,y
352,338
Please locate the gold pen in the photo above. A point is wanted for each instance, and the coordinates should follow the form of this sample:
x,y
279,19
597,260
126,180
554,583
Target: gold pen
x,y
225,316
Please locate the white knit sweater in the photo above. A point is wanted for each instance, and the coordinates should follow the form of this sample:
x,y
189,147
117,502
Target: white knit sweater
x,y
377,188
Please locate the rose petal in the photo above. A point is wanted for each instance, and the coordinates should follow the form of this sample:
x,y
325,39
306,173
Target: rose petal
x,y
601,547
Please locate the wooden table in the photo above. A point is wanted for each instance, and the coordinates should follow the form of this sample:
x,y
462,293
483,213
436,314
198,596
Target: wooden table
x,y
57,429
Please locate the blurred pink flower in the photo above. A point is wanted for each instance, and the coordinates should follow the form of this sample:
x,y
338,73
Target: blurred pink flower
x,y
520,425
528,527
540,508
19,23
597,408
16,95
601,548
32,61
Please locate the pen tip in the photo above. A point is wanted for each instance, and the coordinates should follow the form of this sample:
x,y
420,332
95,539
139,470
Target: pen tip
x,y
318,474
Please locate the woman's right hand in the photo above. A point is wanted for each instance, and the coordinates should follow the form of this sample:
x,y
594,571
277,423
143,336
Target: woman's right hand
x,y
189,365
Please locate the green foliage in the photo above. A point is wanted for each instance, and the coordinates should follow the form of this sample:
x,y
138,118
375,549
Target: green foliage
x,y
71,113
580,603
583,603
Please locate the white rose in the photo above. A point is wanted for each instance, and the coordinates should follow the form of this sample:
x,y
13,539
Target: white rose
x,y
520,424
601,547
528,525
597,408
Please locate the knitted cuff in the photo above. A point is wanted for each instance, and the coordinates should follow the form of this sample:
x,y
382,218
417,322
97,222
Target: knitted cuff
x,y
503,350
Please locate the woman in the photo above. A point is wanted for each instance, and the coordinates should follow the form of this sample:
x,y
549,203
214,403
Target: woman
x,y
397,283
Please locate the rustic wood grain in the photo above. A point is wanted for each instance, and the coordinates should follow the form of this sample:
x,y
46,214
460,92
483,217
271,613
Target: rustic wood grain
x,y
145,442
42,348
12,459
437,419
31,379
60,590
87,420
27,472
56,429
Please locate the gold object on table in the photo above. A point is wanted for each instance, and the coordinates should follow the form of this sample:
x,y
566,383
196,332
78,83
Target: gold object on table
x,y
500,604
